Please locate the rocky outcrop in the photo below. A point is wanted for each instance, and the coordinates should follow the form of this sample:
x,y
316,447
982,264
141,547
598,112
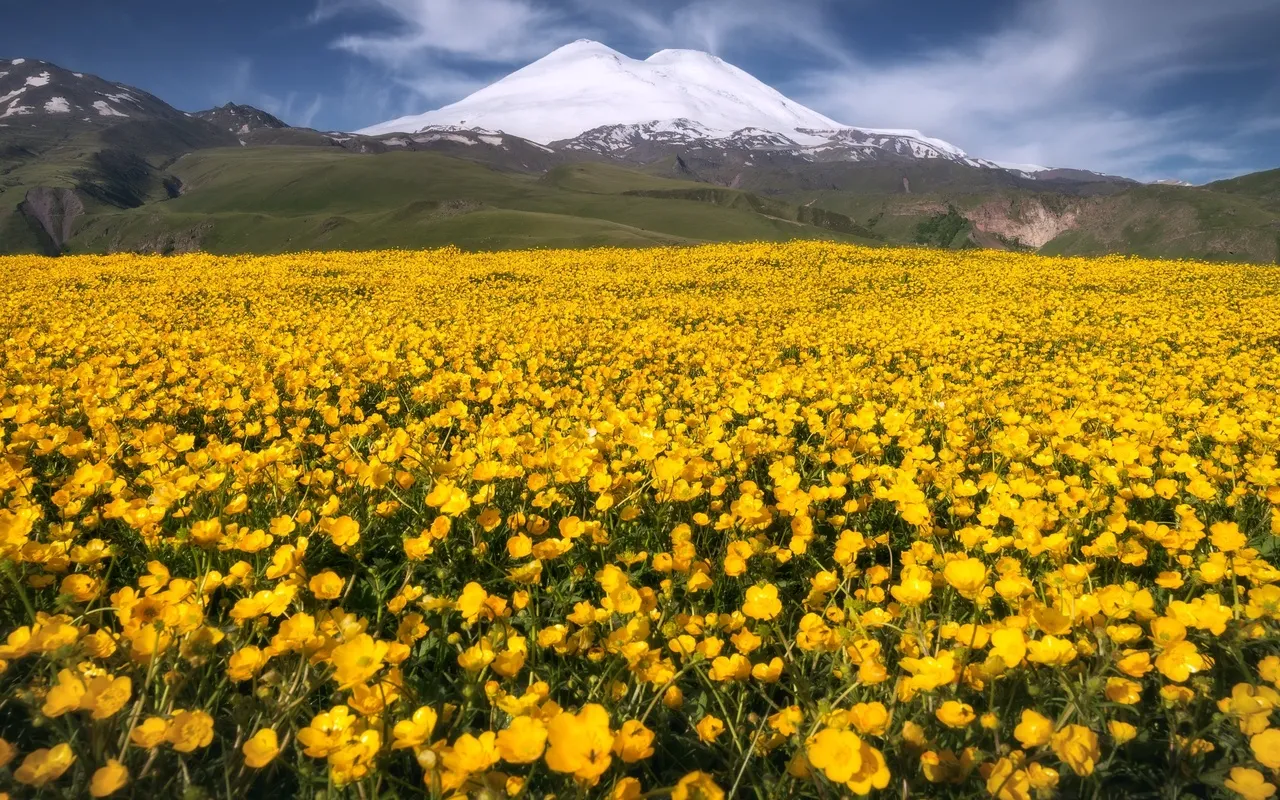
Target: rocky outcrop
x,y
1029,221
52,214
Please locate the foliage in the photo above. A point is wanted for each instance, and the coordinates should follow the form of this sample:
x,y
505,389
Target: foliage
x,y
941,230
765,520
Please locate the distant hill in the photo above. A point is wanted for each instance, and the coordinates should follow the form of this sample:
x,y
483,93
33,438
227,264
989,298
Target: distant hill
x,y
88,165
1261,186
240,120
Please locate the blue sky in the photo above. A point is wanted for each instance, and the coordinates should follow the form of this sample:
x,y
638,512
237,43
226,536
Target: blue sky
x,y
1145,88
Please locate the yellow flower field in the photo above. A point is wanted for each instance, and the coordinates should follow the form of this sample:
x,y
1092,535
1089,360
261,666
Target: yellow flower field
x,y
735,521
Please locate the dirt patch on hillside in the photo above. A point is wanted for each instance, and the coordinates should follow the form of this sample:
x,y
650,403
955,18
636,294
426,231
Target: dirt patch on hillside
x,y
52,214
1028,221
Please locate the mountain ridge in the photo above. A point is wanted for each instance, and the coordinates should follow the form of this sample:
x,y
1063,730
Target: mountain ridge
x,y
585,86
145,176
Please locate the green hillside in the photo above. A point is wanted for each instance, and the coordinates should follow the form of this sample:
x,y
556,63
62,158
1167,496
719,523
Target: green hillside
x,y
139,194
1206,223
1261,186
263,200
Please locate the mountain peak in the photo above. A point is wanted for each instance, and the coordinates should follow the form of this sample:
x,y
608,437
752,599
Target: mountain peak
x,y
581,48
38,94
558,97
240,119
676,55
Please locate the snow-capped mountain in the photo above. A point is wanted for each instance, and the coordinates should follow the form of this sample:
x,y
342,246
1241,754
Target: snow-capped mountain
x,y
586,85
588,97
39,94
240,119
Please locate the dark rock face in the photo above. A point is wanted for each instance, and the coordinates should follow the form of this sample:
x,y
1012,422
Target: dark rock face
x,y
52,214
240,120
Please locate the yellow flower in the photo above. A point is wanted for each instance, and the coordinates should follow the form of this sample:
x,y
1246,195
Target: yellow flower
x,y
472,601
523,741
1043,779
44,765
871,719
1077,747
1121,732
873,773
762,602
261,748
787,721
1249,784
416,731
915,586
244,663
930,672
1010,644
1033,729
105,695
1051,651
1226,536
357,660
328,732
189,730
7,753
471,754
1179,660
1120,690
344,531
80,587
709,728
149,733
634,742
108,779
838,753
955,714
1266,748
65,695
1134,663
1269,669
326,585
735,667
697,786
624,789
580,743
768,672
1006,782
967,576
477,657
356,760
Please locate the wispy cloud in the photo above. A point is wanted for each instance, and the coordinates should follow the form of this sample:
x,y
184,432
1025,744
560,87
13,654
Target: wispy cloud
x,y
1065,82
476,30
722,26
441,50
1084,83
240,86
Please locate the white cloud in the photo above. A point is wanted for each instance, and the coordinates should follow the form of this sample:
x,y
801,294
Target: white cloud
x,y
1060,82
241,87
1065,82
477,30
723,26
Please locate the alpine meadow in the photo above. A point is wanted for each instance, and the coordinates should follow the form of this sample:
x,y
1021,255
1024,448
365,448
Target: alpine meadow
x,y
640,400
757,520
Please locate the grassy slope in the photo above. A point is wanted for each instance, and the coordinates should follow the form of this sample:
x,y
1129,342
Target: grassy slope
x,y
1262,186
1155,221
19,173
125,161
1175,222
269,199
283,198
